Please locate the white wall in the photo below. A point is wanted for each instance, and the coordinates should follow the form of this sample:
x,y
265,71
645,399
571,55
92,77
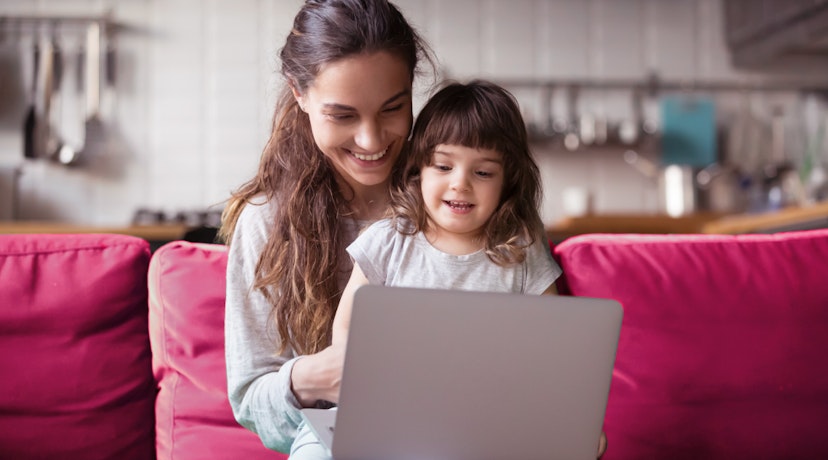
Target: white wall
x,y
196,80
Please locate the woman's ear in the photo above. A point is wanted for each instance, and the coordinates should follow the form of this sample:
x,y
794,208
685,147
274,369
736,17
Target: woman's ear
x,y
297,95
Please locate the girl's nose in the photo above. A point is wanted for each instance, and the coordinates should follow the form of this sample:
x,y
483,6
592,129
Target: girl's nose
x,y
460,182
369,136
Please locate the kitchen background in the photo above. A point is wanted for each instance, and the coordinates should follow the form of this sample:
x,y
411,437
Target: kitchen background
x,y
614,91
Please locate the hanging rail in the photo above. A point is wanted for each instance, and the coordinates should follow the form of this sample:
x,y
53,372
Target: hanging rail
x,y
653,84
36,22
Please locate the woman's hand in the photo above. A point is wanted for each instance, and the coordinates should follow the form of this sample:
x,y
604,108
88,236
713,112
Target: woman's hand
x,y
318,376
602,445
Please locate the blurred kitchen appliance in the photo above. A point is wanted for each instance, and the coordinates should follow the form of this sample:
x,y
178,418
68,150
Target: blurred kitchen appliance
x,y
678,193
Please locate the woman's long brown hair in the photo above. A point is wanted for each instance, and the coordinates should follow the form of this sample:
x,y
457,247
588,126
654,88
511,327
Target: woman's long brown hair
x,y
298,268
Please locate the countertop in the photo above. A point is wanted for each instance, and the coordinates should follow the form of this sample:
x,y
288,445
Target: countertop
x,y
159,232
811,216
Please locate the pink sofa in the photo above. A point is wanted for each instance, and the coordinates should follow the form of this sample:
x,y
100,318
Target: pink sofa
x,y
98,366
723,352
111,352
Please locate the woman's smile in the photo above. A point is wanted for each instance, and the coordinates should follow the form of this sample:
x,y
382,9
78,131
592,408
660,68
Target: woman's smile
x,y
370,157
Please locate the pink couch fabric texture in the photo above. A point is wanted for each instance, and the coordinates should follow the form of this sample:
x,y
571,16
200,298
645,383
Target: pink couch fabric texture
x,y
73,330
186,323
723,348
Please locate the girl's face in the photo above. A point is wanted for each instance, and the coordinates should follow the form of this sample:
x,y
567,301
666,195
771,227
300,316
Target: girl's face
x,y
360,113
461,190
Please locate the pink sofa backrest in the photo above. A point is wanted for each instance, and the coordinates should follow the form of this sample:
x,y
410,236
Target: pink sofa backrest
x,y
75,349
723,348
194,419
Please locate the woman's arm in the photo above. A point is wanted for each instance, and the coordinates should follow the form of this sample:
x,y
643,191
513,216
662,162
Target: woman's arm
x,y
258,380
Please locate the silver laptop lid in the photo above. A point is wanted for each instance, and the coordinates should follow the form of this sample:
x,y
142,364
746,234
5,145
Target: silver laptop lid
x,y
468,375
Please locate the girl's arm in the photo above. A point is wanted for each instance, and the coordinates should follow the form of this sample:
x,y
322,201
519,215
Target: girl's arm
x,y
551,290
318,376
342,320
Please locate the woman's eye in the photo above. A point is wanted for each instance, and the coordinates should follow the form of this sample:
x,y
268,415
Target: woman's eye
x,y
340,117
393,108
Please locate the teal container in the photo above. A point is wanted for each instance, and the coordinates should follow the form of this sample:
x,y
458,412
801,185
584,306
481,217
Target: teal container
x,y
688,130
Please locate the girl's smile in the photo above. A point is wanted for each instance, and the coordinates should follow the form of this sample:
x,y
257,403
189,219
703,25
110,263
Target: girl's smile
x,y
460,207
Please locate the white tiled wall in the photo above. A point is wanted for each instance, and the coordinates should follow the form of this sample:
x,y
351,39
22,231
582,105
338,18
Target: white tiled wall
x,y
196,81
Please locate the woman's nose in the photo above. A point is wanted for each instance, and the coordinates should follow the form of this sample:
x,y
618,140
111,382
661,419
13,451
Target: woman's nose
x,y
369,136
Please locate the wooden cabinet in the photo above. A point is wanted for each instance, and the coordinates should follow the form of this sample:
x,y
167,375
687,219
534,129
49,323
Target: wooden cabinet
x,y
761,33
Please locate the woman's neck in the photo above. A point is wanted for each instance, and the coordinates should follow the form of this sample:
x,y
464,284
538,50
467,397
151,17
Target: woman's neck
x,y
368,202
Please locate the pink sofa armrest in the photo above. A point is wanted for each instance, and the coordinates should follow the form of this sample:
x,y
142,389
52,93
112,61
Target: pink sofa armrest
x,y
723,347
77,382
194,419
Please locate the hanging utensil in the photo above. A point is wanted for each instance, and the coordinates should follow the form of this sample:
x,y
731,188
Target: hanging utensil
x,y
41,130
14,91
572,138
629,130
30,120
57,60
67,154
44,135
54,139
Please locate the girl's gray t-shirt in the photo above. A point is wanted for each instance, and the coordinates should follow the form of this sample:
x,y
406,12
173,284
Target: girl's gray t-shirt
x,y
388,257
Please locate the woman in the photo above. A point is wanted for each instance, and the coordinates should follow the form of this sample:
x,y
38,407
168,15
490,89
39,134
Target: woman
x,y
339,127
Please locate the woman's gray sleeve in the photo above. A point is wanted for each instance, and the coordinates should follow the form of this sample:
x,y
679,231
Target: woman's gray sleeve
x,y
258,380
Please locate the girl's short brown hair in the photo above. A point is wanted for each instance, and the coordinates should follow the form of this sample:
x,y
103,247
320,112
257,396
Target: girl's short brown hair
x,y
480,115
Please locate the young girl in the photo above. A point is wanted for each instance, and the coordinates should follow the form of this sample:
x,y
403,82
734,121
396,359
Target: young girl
x,y
464,206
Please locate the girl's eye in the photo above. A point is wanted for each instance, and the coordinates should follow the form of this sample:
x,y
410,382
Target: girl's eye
x,y
484,174
440,167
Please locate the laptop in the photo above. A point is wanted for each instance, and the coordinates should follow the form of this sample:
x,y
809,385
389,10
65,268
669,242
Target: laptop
x,y
449,374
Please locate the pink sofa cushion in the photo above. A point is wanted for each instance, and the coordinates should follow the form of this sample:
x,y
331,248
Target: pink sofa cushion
x,y
77,382
722,349
193,415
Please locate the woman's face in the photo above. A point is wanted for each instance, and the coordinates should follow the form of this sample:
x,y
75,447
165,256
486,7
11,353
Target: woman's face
x,y
360,113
